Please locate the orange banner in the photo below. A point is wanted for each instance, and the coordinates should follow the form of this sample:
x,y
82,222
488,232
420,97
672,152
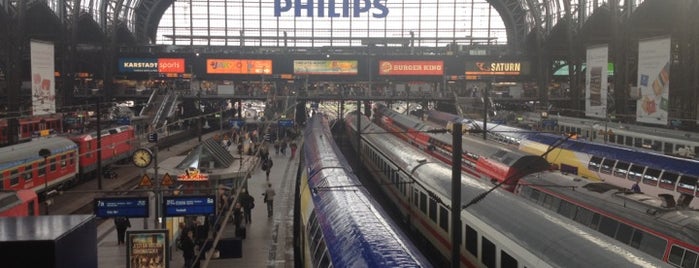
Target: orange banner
x,y
167,65
411,67
238,66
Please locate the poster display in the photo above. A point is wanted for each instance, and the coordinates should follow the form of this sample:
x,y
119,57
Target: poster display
x,y
325,67
147,248
43,78
406,67
596,82
238,66
653,81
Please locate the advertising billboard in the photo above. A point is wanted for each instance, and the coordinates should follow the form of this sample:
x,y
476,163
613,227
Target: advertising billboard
x,y
147,248
325,67
497,68
596,82
411,67
43,78
238,66
653,81
171,65
151,65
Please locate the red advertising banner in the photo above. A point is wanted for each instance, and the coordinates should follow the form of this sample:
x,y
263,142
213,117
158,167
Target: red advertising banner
x,y
171,65
411,67
238,66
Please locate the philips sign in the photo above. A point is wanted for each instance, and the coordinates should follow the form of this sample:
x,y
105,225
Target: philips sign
x,y
331,8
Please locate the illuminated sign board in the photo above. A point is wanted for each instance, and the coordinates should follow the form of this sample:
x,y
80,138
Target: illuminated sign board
x,y
238,66
147,246
170,65
176,206
411,67
131,207
151,65
332,9
325,67
497,68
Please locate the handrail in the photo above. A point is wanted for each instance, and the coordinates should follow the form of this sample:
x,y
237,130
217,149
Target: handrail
x,y
150,99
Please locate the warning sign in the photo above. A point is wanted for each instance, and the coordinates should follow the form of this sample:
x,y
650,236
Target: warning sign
x,y
167,180
145,181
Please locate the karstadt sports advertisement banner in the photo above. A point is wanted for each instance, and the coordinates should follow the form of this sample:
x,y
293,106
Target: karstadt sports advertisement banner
x,y
43,78
398,67
596,82
653,80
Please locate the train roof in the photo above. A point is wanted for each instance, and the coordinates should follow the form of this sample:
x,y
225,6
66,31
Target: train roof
x,y
616,126
654,160
557,240
23,153
629,207
357,231
105,132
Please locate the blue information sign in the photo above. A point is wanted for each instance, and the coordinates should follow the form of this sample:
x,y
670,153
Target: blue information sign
x,y
286,123
176,206
131,207
153,137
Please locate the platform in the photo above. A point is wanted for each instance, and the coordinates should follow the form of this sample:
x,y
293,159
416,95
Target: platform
x,y
269,241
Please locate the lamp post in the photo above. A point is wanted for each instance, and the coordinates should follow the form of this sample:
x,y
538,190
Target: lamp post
x,y
45,153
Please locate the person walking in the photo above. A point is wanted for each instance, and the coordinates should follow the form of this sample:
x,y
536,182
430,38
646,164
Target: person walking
x,y
238,214
267,166
276,146
121,223
269,199
282,147
293,147
248,203
187,244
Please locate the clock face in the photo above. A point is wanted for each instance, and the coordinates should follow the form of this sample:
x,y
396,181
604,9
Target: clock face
x,y
142,157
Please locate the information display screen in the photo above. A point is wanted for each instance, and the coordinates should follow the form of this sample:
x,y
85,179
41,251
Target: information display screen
x,y
130,207
176,206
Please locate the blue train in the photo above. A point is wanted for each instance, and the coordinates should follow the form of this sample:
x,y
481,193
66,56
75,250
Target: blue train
x,y
340,224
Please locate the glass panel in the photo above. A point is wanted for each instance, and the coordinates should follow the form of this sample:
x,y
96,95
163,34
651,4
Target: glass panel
x,y
636,172
595,163
488,252
472,241
621,169
607,166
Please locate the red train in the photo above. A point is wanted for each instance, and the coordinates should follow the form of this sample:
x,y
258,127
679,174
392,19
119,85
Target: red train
x,y
491,163
70,160
19,203
32,127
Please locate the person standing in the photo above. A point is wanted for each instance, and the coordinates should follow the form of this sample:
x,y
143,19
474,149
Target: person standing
x,y
187,244
269,199
636,188
248,203
282,147
121,223
267,166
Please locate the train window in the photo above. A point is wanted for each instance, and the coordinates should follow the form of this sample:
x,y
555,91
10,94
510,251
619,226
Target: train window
x,y
53,164
676,255
551,202
624,232
611,138
648,243
638,142
72,158
488,250
668,148
595,163
433,210
620,139
535,195
635,172
63,161
41,171
628,141
28,172
690,260
325,261
583,216
607,166
423,202
687,182
472,241
608,226
507,261
566,209
444,218
14,177
668,177
416,197
657,146
320,251
594,223
621,169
